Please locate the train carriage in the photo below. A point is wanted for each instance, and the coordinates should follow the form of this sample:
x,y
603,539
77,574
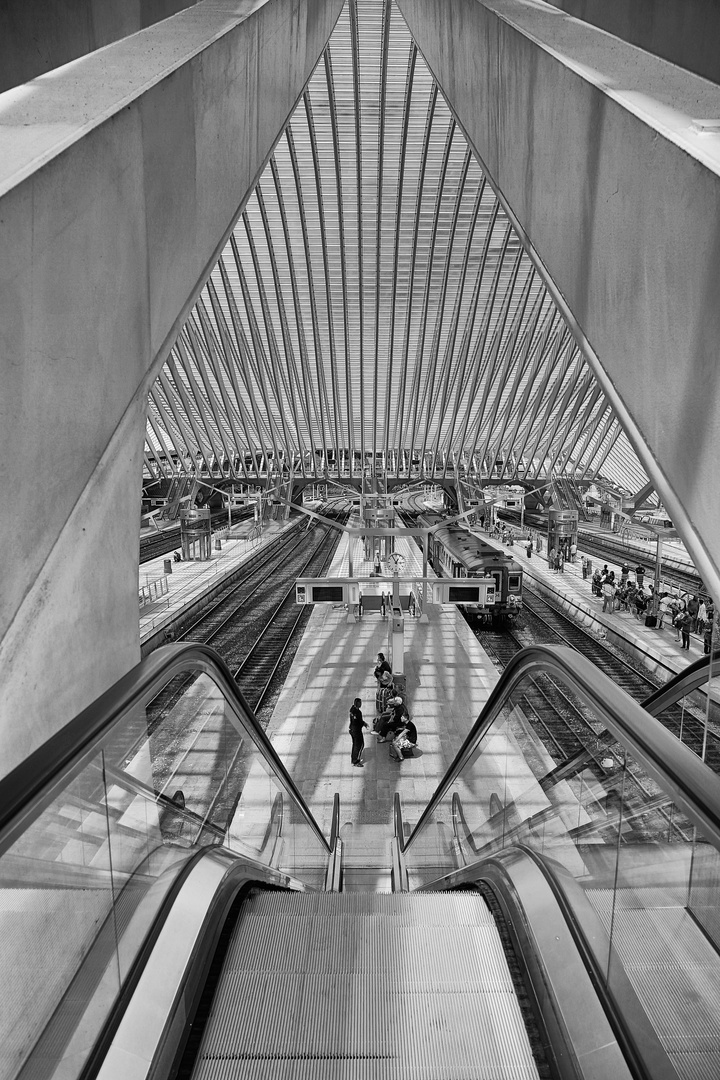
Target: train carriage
x,y
456,552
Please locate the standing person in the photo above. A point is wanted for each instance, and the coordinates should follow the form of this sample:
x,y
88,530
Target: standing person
x,y
529,548
624,572
377,567
693,606
708,631
381,665
701,617
551,558
608,591
573,552
686,620
560,557
639,575
640,604
356,733
583,567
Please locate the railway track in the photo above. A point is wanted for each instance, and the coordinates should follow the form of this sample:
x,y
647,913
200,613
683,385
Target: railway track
x,y
255,626
545,624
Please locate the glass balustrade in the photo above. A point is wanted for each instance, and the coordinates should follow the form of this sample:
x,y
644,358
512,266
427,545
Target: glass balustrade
x,y
86,866
553,773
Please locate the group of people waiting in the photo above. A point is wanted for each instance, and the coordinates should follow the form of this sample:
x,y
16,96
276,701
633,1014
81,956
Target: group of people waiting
x,y
392,721
557,557
686,616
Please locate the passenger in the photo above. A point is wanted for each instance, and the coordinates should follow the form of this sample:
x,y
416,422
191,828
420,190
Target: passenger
x,y
679,606
708,632
631,597
624,572
640,604
693,607
393,719
597,583
404,742
701,617
528,548
686,621
551,558
381,666
560,559
573,552
584,567
640,575
177,557
608,591
356,733
384,692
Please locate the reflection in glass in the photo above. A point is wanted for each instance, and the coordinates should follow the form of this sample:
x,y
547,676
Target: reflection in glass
x,y
85,869
569,792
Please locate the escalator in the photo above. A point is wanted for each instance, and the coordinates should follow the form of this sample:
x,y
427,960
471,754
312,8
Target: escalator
x,y
143,938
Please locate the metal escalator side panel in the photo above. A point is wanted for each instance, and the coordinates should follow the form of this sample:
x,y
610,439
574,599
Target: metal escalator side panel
x,y
673,766
692,677
99,823
558,937
154,1014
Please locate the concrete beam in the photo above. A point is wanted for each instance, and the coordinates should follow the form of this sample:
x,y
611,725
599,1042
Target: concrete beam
x,y
601,156
685,32
121,176
39,35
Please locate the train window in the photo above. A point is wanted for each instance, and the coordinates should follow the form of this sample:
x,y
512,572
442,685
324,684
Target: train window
x,y
514,583
498,586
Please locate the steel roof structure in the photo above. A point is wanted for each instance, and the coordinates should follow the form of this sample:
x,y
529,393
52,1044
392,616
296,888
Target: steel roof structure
x,y
374,308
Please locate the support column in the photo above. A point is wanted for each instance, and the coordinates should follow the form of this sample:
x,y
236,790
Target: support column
x,y
610,170
120,179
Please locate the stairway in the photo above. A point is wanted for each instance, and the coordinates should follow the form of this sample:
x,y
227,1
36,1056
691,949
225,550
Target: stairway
x,y
365,984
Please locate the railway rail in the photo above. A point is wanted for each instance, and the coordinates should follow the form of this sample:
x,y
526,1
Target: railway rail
x,y
254,625
545,624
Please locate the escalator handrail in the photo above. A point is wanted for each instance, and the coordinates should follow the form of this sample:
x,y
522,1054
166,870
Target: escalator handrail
x,y
692,677
678,770
24,785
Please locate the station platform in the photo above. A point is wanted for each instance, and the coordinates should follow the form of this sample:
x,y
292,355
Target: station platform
x,y
656,649
449,678
190,583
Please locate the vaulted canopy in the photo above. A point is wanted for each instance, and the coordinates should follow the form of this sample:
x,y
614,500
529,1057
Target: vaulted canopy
x,y
374,308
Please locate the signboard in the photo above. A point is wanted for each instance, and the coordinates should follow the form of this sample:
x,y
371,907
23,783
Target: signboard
x,y
479,591
327,591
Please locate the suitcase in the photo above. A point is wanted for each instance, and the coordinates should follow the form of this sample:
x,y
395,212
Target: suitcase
x,y
651,620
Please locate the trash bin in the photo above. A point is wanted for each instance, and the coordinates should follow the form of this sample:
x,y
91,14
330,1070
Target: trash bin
x,y
218,545
168,566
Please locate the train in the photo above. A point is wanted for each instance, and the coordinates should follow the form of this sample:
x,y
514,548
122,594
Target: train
x,y
456,552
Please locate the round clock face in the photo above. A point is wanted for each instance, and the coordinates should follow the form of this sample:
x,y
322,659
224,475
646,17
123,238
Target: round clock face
x,y
396,561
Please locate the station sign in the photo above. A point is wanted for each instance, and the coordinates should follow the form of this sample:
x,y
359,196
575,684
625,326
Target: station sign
x,y
481,591
327,591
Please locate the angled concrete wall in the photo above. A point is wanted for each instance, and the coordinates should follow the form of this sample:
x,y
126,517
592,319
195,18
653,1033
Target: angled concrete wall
x,y
686,32
120,177
40,35
595,148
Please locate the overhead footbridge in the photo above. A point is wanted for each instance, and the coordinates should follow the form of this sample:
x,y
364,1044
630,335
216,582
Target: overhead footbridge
x,y
546,915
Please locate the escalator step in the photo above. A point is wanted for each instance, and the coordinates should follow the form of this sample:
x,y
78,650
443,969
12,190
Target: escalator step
x,y
357,985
